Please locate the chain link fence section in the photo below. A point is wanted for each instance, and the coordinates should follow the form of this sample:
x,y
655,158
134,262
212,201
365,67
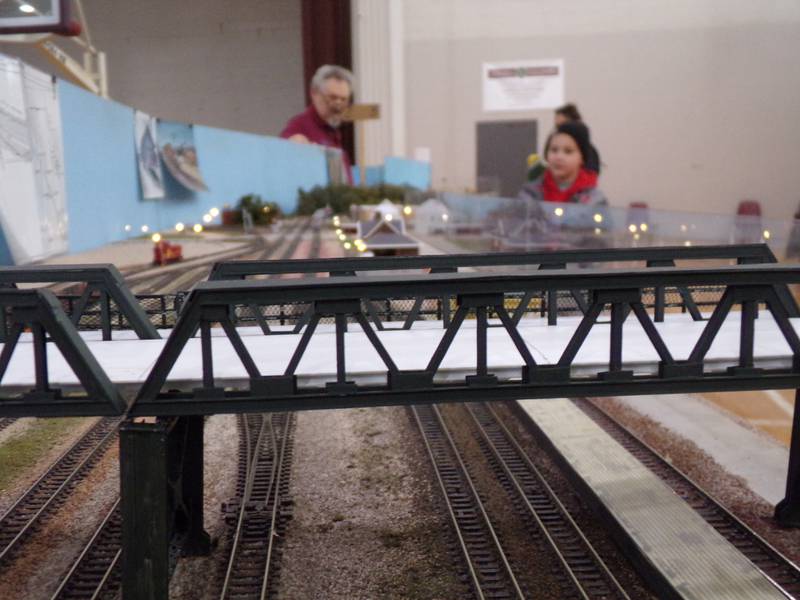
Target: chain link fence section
x,y
163,309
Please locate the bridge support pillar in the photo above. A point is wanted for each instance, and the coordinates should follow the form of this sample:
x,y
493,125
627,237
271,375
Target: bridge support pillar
x,y
787,512
186,462
145,517
161,485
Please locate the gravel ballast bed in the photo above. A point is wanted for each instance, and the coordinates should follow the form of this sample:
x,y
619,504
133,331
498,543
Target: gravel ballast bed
x,y
365,520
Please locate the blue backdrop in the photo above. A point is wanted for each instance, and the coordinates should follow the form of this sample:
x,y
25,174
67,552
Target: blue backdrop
x,y
103,191
102,183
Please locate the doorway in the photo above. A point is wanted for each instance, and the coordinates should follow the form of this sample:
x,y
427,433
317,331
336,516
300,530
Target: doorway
x,y
503,148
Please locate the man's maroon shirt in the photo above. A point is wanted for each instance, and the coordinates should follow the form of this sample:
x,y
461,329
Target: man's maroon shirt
x,y
317,131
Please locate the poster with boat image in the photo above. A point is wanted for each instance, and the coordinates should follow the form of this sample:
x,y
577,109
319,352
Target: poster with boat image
x,y
151,176
179,155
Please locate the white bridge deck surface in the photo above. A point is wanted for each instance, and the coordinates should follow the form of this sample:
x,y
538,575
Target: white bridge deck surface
x,y
128,361
697,561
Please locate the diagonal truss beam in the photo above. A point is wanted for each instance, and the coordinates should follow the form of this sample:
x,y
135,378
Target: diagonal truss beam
x,y
104,279
42,313
481,295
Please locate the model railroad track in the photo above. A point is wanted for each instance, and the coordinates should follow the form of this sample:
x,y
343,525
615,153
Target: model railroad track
x,y
488,568
183,278
260,513
45,495
584,570
298,230
262,508
96,573
316,243
776,566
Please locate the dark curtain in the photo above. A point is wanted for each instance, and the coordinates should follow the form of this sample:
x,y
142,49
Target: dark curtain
x,y
327,40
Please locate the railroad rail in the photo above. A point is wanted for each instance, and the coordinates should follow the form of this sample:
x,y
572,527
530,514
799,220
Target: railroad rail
x,y
96,573
163,301
777,567
488,568
47,493
183,276
585,569
250,571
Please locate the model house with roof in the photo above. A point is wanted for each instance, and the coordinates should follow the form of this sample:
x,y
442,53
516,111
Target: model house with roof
x,y
432,216
369,212
386,235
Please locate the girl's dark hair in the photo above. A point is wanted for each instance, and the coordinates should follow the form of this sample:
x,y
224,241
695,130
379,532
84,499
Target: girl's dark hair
x,y
570,111
580,133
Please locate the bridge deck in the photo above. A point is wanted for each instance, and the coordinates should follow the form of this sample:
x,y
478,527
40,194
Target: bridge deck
x,y
128,361
663,532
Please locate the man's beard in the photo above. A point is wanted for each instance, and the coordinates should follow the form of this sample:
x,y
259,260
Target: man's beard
x,y
335,121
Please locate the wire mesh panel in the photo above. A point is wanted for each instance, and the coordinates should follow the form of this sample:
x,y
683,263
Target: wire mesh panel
x,y
162,310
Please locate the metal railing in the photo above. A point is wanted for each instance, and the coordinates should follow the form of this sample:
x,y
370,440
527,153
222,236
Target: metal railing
x,y
549,304
104,284
483,296
40,312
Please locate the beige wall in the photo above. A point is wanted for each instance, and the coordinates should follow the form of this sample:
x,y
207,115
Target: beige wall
x,y
693,104
236,64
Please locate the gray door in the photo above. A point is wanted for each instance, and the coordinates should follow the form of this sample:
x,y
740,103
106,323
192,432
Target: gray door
x,y
503,148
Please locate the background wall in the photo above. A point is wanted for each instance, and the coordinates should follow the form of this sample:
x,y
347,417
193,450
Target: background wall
x,y
235,64
692,103
103,193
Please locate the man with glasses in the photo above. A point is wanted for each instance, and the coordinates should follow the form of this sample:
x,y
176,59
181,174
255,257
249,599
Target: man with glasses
x,y
331,93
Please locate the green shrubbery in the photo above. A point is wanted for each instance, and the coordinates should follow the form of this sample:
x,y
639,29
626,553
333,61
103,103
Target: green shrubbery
x,y
339,197
264,213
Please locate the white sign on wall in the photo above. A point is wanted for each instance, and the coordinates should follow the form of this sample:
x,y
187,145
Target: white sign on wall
x,y
523,85
33,210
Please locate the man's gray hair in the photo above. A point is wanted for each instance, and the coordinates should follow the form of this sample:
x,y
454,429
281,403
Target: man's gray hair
x,y
326,72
